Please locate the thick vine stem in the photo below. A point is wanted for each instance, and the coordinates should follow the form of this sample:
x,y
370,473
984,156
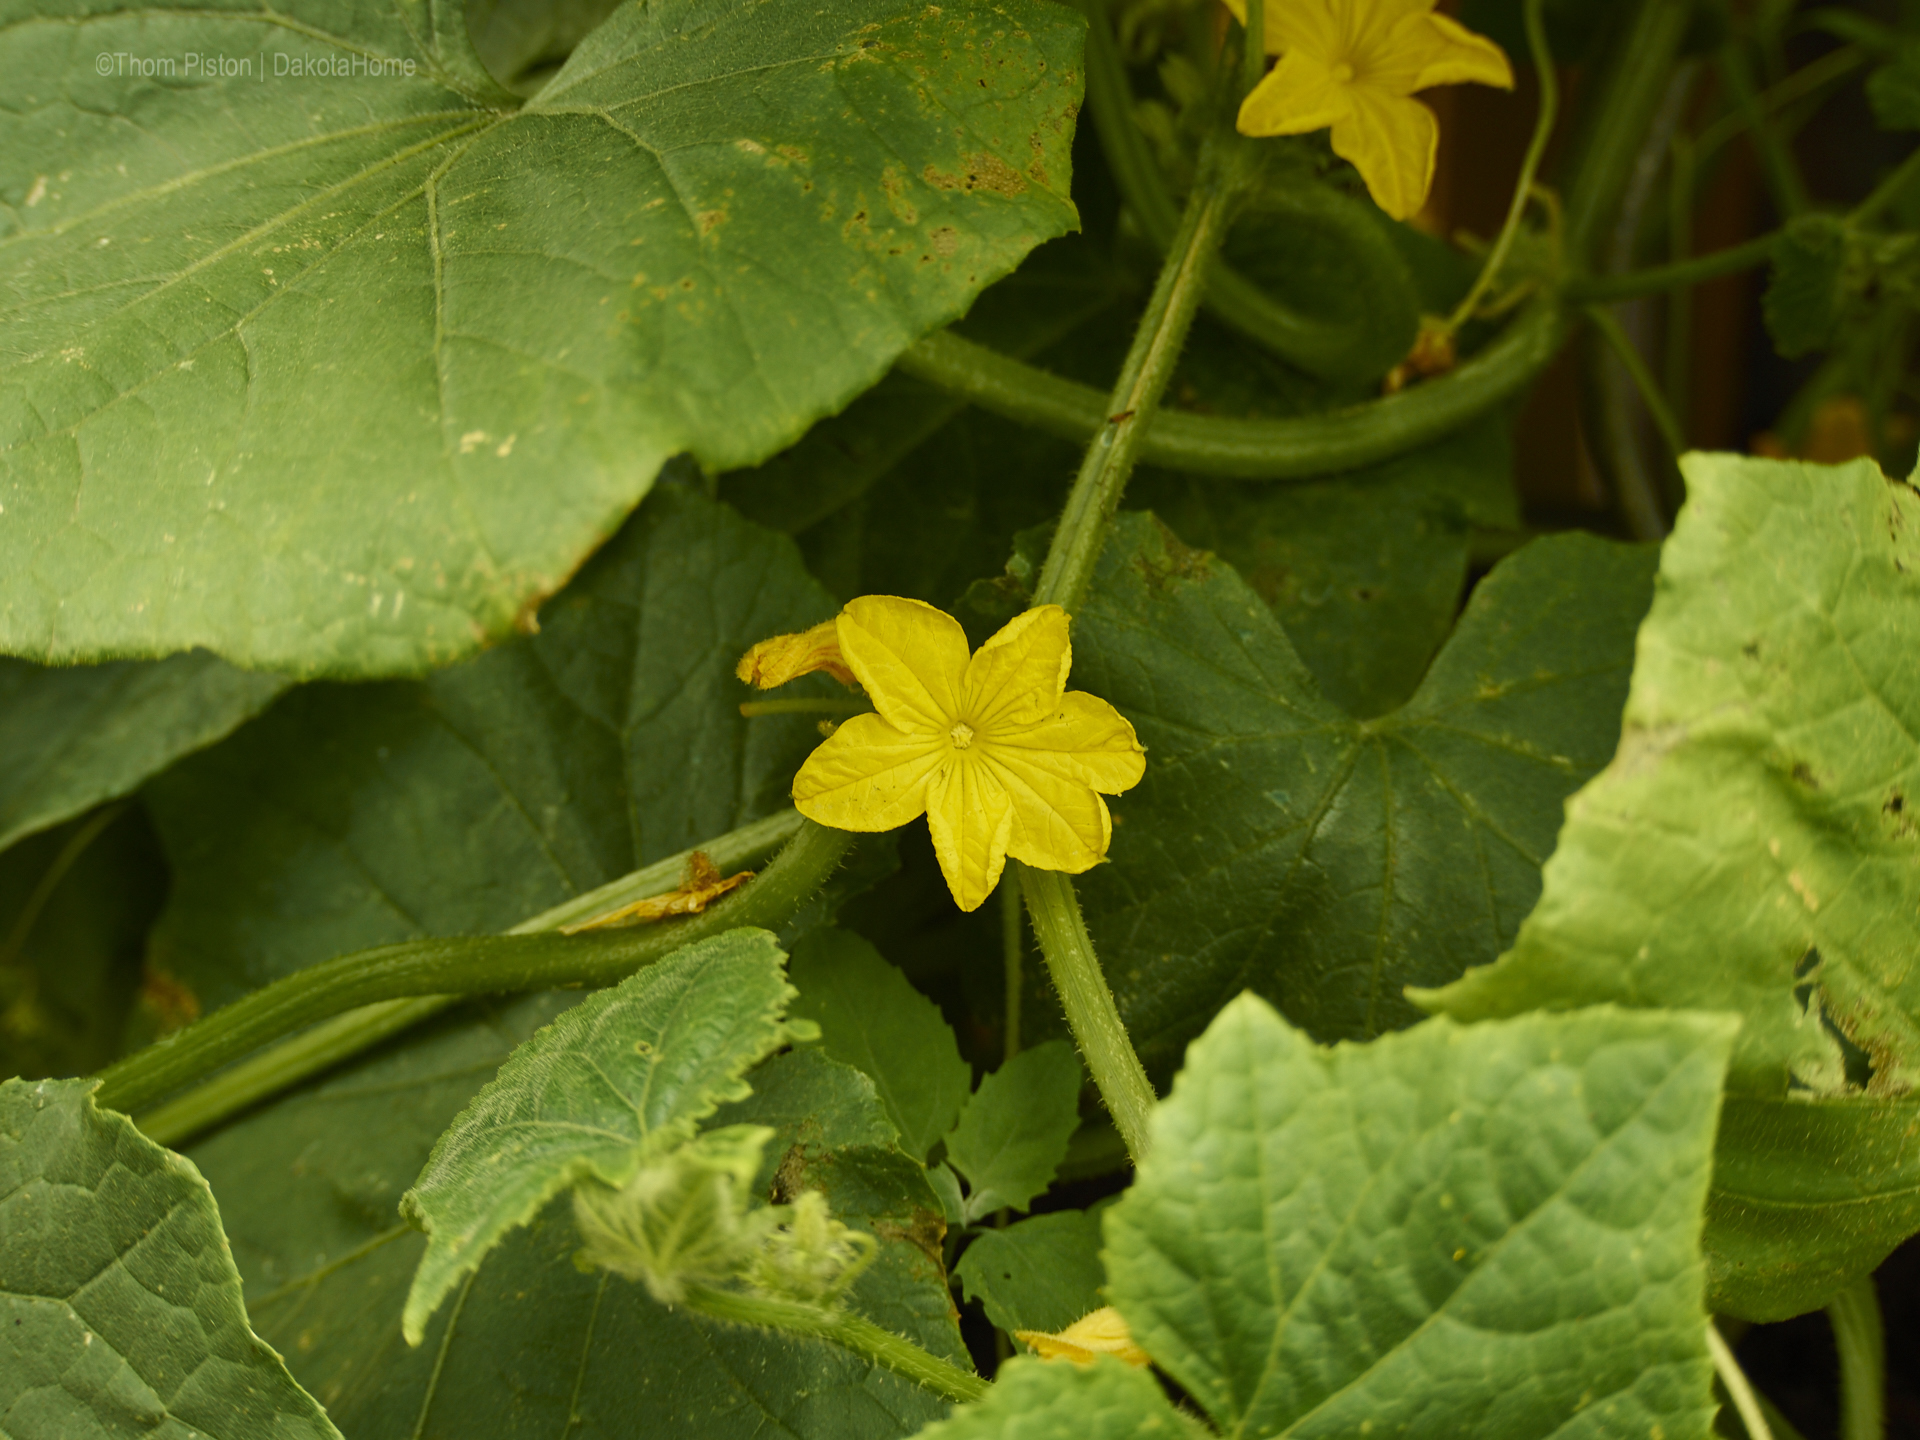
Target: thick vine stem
x,y
883,1347
1094,1018
478,965
1320,347
1860,1337
1150,362
1298,449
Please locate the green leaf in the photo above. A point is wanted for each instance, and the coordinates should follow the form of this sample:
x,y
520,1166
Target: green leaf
x,y
1040,1274
1894,90
1808,291
537,1349
73,737
1056,1400
625,1075
476,328
353,817
1278,843
1486,1230
1808,1195
1364,571
75,906
871,1018
1013,1134
1753,845
122,1309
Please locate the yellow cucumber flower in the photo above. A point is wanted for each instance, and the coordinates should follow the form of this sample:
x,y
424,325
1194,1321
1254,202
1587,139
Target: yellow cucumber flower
x,y
1355,65
998,754
1103,1332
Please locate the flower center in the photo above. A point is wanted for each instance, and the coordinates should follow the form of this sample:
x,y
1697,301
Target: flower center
x,y
961,735
1343,73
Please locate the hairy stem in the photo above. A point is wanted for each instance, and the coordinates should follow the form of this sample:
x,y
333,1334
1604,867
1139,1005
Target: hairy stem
x,y
475,965
1091,1013
1319,347
1529,167
1655,279
1861,1339
1297,449
1150,362
1738,1386
883,1347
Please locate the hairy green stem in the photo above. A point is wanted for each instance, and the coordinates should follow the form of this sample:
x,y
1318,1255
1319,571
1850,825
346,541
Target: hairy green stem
x,y
1635,365
1094,1018
1887,191
1784,185
1861,1339
474,965
1738,1386
1629,95
1655,279
1068,572
1297,449
883,1347
1529,167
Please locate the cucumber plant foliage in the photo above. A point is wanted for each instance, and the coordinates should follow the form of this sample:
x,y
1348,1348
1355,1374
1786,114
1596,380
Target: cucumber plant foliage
x,y
411,412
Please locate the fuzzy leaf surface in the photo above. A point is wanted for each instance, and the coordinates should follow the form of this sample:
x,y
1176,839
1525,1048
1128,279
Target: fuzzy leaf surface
x,y
535,1348
342,373
630,1071
871,1018
1488,1230
1755,844
1039,1274
1012,1136
72,737
1058,1400
464,803
1279,844
120,1308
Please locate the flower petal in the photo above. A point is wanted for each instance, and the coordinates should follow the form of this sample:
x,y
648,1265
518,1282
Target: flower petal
x,y
787,657
868,776
1464,58
1290,25
1054,771
1391,141
911,658
1298,95
1018,676
969,815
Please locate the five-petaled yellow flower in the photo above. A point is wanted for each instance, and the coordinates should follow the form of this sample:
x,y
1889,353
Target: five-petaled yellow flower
x,y
1355,65
997,753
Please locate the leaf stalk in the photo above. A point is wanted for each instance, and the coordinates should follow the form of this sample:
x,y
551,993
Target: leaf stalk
x,y
1860,1337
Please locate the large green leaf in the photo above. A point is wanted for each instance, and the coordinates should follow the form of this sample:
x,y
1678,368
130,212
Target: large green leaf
x,y
636,1067
120,1310
1753,845
74,736
532,1346
344,372
1485,1230
871,1018
1055,1400
1364,571
1278,843
351,817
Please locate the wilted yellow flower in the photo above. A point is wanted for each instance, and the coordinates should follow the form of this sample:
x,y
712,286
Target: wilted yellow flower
x,y
993,749
1355,65
788,657
1103,1332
